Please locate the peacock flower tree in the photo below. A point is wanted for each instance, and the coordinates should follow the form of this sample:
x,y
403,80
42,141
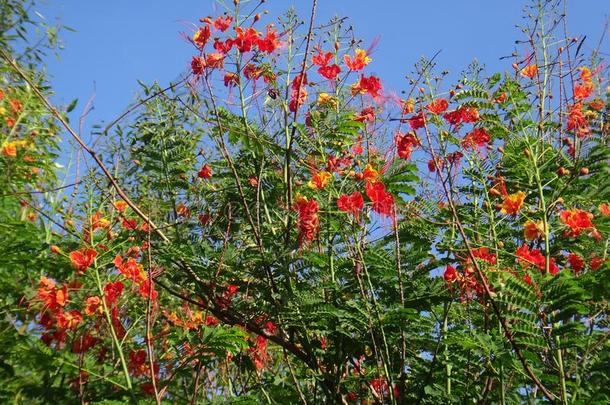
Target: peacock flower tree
x,y
277,225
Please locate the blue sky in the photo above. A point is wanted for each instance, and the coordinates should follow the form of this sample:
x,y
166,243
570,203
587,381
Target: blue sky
x,y
118,42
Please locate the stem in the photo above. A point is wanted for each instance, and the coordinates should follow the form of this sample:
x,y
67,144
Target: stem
x,y
562,377
113,334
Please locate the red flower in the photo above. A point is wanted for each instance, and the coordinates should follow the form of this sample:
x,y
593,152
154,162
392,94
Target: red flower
x,y
245,40
435,164
529,257
211,321
329,72
137,363
483,254
417,121
222,23
259,352
576,262
130,224
223,47
231,79
462,114
405,143
82,259
205,172
534,257
383,202
83,343
370,85
451,274
308,221
296,103
270,42
438,106
112,291
321,58
352,203
299,81
147,289
197,65
477,138
367,114
596,262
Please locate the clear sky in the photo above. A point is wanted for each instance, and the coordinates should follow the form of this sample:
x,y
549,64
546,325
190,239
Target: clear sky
x,y
117,42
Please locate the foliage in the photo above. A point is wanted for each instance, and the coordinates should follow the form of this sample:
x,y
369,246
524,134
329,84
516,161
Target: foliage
x,y
275,227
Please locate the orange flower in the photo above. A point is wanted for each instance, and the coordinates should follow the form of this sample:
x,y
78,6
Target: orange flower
x,y
512,203
52,297
369,174
530,71
597,104
182,210
582,91
82,259
408,106
9,150
120,205
16,105
533,230
214,60
201,36
130,269
320,180
577,220
360,60
93,305
69,320
577,121
604,209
